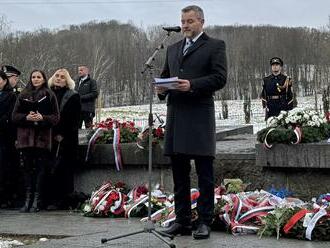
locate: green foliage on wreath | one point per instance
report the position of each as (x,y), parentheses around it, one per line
(273,223)
(126,136)
(287,135)
(279,135)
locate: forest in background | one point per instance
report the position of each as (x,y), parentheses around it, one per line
(116,54)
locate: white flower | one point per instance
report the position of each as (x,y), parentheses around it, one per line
(271,122)
(87,208)
(315,117)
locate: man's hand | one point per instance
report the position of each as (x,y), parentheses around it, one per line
(160,90)
(183,85)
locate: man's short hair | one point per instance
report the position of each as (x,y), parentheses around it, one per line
(198,10)
(83,65)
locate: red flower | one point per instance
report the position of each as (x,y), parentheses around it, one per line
(327,116)
(159,132)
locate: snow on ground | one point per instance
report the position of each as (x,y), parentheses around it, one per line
(9,243)
(139,113)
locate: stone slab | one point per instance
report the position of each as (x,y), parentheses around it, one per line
(311,155)
(224,131)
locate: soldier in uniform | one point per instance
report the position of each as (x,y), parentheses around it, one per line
(276,92)
(13,76)
(14,178)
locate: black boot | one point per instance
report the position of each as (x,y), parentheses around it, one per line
(26,207)
(36,203)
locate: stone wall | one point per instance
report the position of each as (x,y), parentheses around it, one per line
(101,167)
(303,169)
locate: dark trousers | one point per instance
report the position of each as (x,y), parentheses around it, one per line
(3,169)
(10,176)
(35,164)
(181,176)
(87,118)
(60,181)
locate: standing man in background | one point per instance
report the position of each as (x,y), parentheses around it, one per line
(199,62)
(87,89)
(276,92)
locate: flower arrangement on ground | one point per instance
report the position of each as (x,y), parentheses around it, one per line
(255,212)
(295,126)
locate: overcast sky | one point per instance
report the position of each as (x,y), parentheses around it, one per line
(29,15)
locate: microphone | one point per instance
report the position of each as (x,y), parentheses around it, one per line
(172,29)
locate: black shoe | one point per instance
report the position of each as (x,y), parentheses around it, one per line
(178,229)
(202,232)
(36,203)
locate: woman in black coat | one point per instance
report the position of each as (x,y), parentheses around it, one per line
(7,102)
(65,138)
(35,113)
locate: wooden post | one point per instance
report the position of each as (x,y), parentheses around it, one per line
(99,106)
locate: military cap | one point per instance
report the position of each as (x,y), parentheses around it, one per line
(276,60)
(10,70)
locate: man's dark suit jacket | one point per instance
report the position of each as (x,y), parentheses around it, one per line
(190,125)
(88,94)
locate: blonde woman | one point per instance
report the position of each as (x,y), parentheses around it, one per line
(65,141)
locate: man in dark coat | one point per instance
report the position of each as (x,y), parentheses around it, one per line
(87,89)
(14,177)
(190,127)
(276,92)
(7,102)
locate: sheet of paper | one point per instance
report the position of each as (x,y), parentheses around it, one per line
(169,83)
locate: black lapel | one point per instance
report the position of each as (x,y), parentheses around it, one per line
(180,50)
(200,41)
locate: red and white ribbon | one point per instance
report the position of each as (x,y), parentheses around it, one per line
(298,134)
(322,212)
(117,148)
(93,139)
(268,146)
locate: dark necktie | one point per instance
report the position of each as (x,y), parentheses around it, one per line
(188,44)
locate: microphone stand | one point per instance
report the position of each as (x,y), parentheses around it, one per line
(149,226)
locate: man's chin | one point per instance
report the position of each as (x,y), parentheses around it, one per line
(187,34)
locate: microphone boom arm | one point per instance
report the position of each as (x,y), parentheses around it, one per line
(148,64)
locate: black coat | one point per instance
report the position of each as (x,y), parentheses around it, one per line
(7,103)
(69,106)
(88,94)
(30,134)
(190,124)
